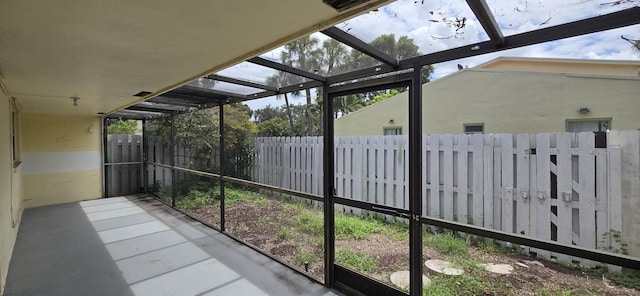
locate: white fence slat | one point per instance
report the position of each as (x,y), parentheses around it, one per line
(478,179)
(425,172)
(615,195)
(543,196)
(586,199)
(463,162)
(379,146)
(506,143)
(601,198)
(522,195)
(488,185)
(433,203)
(405,178)
(388,171)
(358,171)
(497,189)
(447,174)
(564,193)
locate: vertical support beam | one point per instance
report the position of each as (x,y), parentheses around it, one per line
(222,163)
(105,180)
(145,174)
(328,165)
(173,160)
(415,184)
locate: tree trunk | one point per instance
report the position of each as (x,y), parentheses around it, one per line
(286,102)
(306,113)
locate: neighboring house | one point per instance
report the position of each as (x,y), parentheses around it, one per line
(514,95)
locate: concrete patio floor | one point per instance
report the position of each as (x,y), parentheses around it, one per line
(138,246)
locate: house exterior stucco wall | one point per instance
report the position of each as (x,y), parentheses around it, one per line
(506,102)
(10,190)
(62,159)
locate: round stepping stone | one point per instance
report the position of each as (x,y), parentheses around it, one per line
(498,268)
(401,279)
(444,267)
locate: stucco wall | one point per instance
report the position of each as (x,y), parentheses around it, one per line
(10,191)
(62,159)
(506,102)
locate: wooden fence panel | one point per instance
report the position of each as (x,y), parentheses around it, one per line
(124,179)
(548,186)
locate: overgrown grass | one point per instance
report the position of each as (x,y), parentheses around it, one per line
(200,196)
(346,226)
(351,259)
(447,243)
(444,285)
(285,233)
(196,198)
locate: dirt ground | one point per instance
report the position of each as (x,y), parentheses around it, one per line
(260,225)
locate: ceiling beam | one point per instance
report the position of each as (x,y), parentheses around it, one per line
(286,68)
(488,22)
(623,18)
(360,45)
(203,92)
(173,101)
(241,82)
(152,109)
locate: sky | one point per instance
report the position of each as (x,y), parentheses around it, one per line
(436,25)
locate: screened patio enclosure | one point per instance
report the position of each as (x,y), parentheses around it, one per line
(181,159)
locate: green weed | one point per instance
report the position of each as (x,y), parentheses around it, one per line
(195,199)
(311,222)
(347,226)
(448,243)
(284,233)
(458,285)
(351,259)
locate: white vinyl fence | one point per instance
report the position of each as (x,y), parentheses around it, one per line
(551,186)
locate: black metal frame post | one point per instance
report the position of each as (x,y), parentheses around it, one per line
(105,179)
(173,160)
(145,168)
(327,160)
(222,218)
(415,183)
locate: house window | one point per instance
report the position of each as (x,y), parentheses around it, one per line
(15,134)
(474,128)
(392,131)
(597,125)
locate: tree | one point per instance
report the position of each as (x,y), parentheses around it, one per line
(123,127)
(274,127)
(400,49)
(284,79)
(198,138)
(334,56)
(303,54)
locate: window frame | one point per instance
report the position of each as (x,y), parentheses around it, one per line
(476,124)
(392,128)
(608,120)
